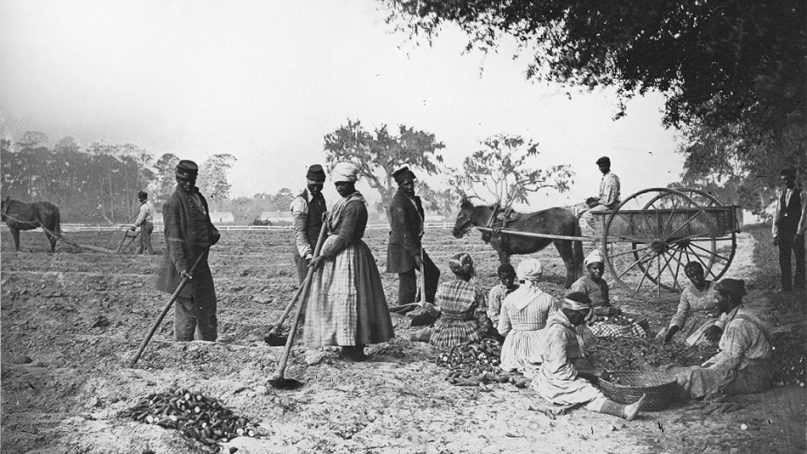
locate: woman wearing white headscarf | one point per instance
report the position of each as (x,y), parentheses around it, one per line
(346,305)
(609,320)
(523,317)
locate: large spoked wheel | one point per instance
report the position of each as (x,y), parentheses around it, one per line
(649,238)
(726,245)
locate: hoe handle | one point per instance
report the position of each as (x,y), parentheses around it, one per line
(308,277)
(162,315)
(281,367)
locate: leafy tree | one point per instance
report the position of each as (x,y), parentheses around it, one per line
(502,170)
(30,139)
(443,202)
(165,181)
(66,144)
(212,179)
(380,154)
(281,200)
(720,63)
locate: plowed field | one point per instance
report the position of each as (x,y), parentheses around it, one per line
(71,321)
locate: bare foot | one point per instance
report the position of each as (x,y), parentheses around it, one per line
(632,410)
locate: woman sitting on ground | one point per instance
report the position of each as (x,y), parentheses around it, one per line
(463,309)
(609,320)
(743,365)
(523,317)
(564,375)
(697,311)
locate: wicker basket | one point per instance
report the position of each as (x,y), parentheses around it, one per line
(626,387)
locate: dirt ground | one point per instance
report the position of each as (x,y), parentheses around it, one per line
(71,321)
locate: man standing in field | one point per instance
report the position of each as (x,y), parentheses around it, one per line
(188,237)
(405,250)
(307,209)
(145,220)
(789,224)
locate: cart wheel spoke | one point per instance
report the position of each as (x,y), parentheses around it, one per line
(713,254)
(637,262)
(631,251)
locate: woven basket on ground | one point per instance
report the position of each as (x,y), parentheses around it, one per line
(626,387)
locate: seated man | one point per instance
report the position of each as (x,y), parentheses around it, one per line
(608,320)
(564,375)
(607,199)
(743,364)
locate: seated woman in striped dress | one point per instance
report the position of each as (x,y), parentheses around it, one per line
(523,317)
(697,312)
(463,308)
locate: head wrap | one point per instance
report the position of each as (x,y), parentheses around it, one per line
(315,174)
(186,169)
(594,257)
(344,171)
(529,270)
(604,161)
(734,287)
(401,174)
(461,264)
(576,301)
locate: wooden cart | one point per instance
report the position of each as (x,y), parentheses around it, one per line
(649,238)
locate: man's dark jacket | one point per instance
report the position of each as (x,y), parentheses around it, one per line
(406,226)
(188,233)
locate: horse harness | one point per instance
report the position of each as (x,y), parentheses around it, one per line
(499,220)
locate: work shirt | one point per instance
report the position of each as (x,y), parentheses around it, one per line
(596,291)
(609,190)
(743,342)
(495,299)
(307,217)
(146,214)
(790,211)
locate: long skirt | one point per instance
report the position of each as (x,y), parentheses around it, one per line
(564,391)
(346,304)
(449,332)
(701,381)
(521,351)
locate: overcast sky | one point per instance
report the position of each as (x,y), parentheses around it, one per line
(265,81)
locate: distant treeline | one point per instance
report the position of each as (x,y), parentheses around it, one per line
(99,183)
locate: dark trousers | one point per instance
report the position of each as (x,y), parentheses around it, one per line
(144,244)
(407,282)
(790,243)
(191,318)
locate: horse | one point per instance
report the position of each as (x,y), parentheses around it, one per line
(553,221)
(28,216)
